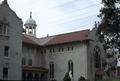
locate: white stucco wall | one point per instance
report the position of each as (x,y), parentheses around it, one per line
(34,53)
(14,42)
(78,55)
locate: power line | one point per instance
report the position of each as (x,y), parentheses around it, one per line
(62,16)
(87,7)
(73,16)
(64,4)
(78,10)
(79,18)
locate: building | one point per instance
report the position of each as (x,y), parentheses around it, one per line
(10,43)
(49,58)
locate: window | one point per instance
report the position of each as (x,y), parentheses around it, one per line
(30,62)
(5,73)
(97,57)
(72,48)
(23,61)
(24,76)
(59,49)
(62,49)
(41,51)
(70,66)
(6,51)
(50,50)
(3,29)
(53,50)
(44,51)
(51,70)
(68,48)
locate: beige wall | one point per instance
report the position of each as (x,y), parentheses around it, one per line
(34,53)
(78,55)
(14,42)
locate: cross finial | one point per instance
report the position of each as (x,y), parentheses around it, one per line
(30,14)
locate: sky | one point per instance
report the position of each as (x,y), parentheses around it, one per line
(58,16)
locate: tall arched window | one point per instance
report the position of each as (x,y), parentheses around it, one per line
(97,57)
(70,66)
(30,62)
(51,70)
(23,61)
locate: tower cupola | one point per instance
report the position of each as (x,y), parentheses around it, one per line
(30,26)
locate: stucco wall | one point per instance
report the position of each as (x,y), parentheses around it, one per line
(14,42)
(78,55)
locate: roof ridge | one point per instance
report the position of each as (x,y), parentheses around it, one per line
(27,36)
(61,38)
(65,33)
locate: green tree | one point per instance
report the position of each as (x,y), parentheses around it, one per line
(66,77)
(109,33)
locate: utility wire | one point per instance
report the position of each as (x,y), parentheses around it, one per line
(64,4)
(77,10)
(84,8)
(73,16)
(73,20)
(78,18)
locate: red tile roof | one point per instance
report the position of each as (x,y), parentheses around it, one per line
(27,40)
(58,39)
(69,37)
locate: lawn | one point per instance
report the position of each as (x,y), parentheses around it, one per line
(110,80)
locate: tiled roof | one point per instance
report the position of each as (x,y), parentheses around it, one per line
(69,37)
(58,39)
(27,40)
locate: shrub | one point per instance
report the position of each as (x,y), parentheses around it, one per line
(81,78)
(66,77)
(53,80)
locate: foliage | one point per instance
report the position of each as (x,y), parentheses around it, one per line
(110,80)
(110,17)
(66,77)
(81,78)
(53,80)
(109,33)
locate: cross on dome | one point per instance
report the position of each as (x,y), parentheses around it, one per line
(30,14)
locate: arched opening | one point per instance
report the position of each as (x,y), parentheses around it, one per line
(23,61)
(70,66)
(30,62)
(24,76)
(97,57)
(51,70)
(97,63)
(29,77)
(36,77)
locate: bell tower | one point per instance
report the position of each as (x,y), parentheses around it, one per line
(30,26)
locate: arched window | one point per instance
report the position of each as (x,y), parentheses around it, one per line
(23,61)
(70,66)
(97,57)
(51,70)
(30,62)
(29,77)
(36,77)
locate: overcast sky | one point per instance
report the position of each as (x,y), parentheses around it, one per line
(58,16)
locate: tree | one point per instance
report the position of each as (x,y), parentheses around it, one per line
(81,78)
(66,77)
(109,33)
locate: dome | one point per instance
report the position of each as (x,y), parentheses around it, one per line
(30,21)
